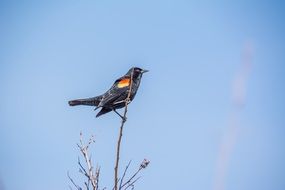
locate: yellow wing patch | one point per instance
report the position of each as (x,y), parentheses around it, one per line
(123,83)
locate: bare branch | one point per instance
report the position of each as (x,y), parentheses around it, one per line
(88,171)
(127,100)
(82,169)
(130,182)
(75,185)
(131,178)
(125,171)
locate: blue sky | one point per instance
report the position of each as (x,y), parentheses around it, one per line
(183,114)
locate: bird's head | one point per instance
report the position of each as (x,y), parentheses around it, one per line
(136,71)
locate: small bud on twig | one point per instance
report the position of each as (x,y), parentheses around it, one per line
(145,163)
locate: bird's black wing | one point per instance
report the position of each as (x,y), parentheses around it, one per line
(103,111)
(118,92)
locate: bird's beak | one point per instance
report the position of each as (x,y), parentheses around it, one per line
(144,71)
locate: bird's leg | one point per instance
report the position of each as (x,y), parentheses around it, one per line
(123,118)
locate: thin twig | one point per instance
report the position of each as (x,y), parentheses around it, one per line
(131,178)
(77,187)
(87,184)
(121,134)
(132,184)
(97,177)
(88,172)
(82,169)
(121,181)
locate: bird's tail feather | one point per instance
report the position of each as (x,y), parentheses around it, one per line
(88,101)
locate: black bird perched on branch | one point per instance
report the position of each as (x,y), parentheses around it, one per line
(117,95)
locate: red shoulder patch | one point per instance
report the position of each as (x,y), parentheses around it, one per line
(123,83)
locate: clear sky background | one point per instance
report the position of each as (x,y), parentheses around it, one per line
(183,118)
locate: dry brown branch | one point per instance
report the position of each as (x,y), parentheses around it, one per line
(75,185)
(130,182)
(88,171)
(121,134)
(92,176)
(124,174)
